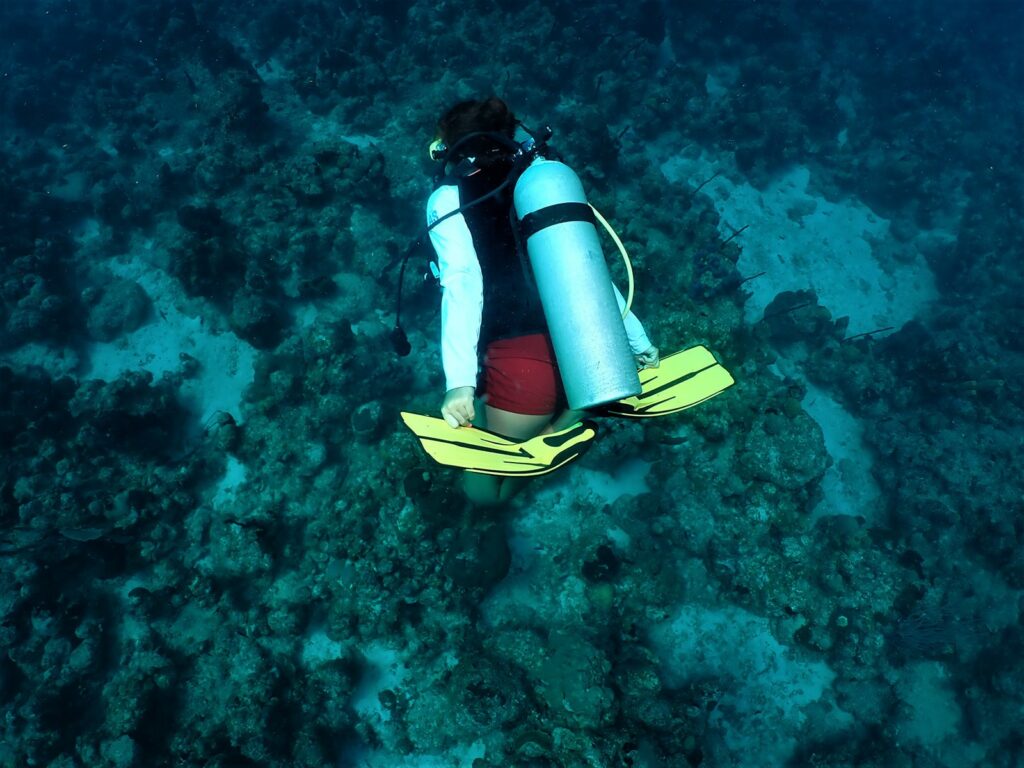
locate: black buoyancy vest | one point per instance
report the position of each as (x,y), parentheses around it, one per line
(511,304)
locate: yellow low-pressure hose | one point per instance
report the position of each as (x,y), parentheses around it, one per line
(625,258)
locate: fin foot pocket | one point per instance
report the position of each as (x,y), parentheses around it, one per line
(683,380)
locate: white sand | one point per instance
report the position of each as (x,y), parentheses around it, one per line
(178,326)
(763,686)
(848,485)
(843,251)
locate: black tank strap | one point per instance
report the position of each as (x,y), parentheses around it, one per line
(559,213)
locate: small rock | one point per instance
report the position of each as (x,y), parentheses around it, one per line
(367,420)
(117,308)
(256,319)
(120,753)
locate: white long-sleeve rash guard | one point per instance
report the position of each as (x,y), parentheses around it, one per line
(462,284)
(462,298)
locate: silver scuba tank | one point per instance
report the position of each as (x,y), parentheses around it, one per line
(558,226)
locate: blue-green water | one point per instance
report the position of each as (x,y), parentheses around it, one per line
(219,547)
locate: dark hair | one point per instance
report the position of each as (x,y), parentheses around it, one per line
(472,116)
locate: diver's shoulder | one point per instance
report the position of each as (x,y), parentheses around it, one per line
(443,200)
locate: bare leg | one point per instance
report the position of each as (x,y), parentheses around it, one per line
(517,426)
(491,490)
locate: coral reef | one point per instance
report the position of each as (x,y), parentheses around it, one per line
(217,546)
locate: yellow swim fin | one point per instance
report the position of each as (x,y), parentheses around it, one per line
(478,450)
(683,380)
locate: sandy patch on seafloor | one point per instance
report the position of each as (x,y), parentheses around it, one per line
(177,325)
(225,361)
(841,250)
(846,254)
(765,689)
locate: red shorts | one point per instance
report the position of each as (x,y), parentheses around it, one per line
(521,376)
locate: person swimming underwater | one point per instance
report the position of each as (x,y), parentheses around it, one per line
(496,348)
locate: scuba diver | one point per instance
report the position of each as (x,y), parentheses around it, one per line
(489,304)
(534,335)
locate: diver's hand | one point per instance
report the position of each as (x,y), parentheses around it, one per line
(458,409)
(649,358)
